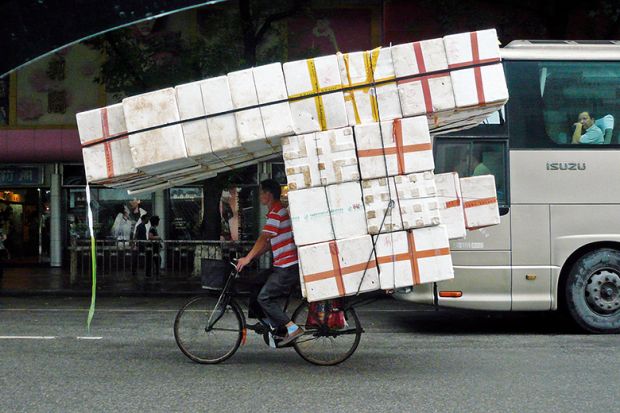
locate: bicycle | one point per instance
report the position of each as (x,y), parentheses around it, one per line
(210,328)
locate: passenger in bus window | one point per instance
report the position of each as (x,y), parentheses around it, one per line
(479,167)
(586,131)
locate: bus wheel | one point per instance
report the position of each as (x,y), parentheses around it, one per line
(593,291)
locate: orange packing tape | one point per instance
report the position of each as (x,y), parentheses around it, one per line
(453,203)
(475,53)
(337,271)
(424,80)
(412,255)
(480,202)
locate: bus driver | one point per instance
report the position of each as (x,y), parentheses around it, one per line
(586,131)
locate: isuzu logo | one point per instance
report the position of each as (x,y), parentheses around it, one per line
(566,166)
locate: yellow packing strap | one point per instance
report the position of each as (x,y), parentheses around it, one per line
(316,90)
(370,63)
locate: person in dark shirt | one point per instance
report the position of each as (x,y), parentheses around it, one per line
(139,235)
(152,254)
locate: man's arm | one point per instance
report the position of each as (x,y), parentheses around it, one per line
(577,133)
(260,247)
(593,136)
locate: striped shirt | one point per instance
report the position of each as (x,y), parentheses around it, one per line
(278,226)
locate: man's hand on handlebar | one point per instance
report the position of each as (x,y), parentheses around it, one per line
(242,262)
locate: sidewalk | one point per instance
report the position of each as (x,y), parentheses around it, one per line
(33,281)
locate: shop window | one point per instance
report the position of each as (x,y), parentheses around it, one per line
(546,99)
(106,204)
(186,210)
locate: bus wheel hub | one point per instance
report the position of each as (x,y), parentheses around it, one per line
(603,291)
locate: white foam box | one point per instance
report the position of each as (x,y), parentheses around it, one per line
(111,161)
(480,201)
(462,118)
(366,103)
(336,156)
(315,76)
(420,93)
(301,162)
(249,122)
(161,149)
(346,209)
(477,85)
(377,195)
(408,258)
(451,204)
(338,268)
(327,213)
(196,133)
(417,200)
(225,142)
(404,143)
(270,87)
(470,48)
(310,216)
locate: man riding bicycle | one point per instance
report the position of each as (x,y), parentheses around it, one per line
(277,234)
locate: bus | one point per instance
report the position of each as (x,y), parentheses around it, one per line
(558,244)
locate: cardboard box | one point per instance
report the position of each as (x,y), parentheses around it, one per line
(301,162)
(367,103)
(336,156)
(422,93)
(161,149)
(377,196)
(270,87)
(480,201)
(414,257)
(338,268)
(403,145)
(315,78)
(451,204)
(110,161)
(417,200)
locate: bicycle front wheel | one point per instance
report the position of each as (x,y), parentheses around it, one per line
(326,346)
(208,331)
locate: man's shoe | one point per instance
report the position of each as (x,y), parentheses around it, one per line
(289,338)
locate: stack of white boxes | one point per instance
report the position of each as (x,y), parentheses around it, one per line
(354,130)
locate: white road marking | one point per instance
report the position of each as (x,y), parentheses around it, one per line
(89,338)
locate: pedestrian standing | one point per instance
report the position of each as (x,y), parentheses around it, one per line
(141,237)
(152,255)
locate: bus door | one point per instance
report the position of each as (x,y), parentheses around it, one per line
(482,261)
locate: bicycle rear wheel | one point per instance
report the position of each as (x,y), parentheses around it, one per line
(206,332)
(324,346)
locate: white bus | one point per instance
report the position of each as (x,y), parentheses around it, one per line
(558,244)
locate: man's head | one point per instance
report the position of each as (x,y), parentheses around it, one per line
(145,218)
(269,191)
(586,119)
(154,221)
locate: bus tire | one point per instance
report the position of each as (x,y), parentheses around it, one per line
(593,291)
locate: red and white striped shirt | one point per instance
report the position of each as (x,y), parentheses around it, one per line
(283,246)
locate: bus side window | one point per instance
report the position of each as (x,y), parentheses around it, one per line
(471,157)
(547,98)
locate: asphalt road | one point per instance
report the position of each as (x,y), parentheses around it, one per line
(412,359)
